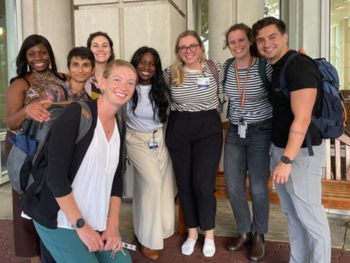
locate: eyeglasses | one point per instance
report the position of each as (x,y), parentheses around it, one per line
(193,47)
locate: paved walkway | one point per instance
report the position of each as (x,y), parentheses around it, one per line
(277,252)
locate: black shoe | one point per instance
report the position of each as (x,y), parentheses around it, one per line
(237,243)
(257,253)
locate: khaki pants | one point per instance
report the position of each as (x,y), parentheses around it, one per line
(153,198)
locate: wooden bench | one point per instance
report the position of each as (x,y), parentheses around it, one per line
(335,189)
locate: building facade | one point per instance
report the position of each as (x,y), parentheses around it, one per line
(320,27)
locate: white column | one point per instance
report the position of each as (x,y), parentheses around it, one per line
(51,19)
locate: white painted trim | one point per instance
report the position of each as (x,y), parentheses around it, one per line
(190,14)
(19,26)
(325,29)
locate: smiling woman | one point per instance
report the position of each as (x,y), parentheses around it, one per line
(248,139)
(22,101)
(194,136)
(102,47)
(153,197)
(77,212)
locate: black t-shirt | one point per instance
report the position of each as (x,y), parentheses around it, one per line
(301,73)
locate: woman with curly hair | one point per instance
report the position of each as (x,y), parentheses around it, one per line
(153,198)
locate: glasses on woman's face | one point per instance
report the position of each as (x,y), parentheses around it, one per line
(193,48)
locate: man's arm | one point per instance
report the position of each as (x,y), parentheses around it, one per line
(302,103)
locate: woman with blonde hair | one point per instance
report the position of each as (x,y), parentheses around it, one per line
(194,136)
(76,213)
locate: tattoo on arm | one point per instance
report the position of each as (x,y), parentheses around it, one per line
(297,132)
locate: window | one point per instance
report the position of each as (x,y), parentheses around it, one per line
(201,22)
(3,66)
(339,40)
(272,8)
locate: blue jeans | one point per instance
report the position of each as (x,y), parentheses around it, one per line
(243,155)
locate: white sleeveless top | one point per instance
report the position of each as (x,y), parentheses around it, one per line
(92,185)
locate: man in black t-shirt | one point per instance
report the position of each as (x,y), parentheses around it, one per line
(296,174)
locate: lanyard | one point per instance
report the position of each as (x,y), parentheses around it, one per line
(245,82)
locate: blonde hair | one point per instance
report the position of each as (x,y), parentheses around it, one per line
(118,63)
(177,73)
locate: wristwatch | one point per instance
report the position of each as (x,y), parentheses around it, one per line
(286,160)
(79,223)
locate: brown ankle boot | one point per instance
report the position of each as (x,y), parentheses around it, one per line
(257,253)
(237,243)
(150,253)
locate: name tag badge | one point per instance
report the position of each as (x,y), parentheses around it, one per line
(153,143)
(203,83)
(242,128)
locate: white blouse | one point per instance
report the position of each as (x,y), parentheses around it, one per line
(92,185)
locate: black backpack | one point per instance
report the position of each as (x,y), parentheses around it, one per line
(31,139)
(332,119)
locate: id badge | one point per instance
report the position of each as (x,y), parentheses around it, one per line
(242,128)
(153,143)
(203,83)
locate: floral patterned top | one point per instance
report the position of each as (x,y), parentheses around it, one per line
(65,92)
(42,81)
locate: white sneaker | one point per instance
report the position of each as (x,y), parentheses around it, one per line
(188,247)
(209,248)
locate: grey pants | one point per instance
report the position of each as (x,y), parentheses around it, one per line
(300,199)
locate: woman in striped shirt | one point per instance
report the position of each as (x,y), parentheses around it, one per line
(194,137)
(248,139)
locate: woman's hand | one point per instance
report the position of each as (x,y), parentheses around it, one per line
(90,238)
(112,239)
(37,111)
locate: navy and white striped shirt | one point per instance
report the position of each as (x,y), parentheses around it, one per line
(257,106)
(189,97)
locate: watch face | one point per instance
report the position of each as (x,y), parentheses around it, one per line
(285,159)
(80,223)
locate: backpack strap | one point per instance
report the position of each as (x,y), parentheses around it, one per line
(85,120)
(227,66)
(284,88)
(282,80)
(214,70)
(262,72)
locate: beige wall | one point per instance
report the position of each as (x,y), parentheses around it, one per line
(52,19)
(131,24)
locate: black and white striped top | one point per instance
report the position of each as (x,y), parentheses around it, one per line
(189,97)
(257,106)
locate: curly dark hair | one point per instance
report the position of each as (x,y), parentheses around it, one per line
(21,61)
(159,94)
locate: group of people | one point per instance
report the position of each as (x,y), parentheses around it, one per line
(168,125)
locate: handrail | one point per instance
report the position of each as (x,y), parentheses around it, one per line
(344,138)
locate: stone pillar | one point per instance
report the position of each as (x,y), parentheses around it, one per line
(53,20)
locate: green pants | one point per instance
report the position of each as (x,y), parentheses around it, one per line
(65,246)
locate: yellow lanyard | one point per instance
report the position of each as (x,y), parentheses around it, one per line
(245,82)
